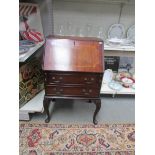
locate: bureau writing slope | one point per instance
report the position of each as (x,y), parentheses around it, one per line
(73,69)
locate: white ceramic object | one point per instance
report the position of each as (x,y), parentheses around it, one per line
(119,42)
(23,50)
(116,31)
(108,76)
(26,43)
(127,82)
(131,33)
(115,40)
(133,86)
(126,42)
(122,74)
(115,85)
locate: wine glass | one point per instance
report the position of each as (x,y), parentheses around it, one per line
(61,30)
(88,30)
(100,33)
(69,29)
(79,32)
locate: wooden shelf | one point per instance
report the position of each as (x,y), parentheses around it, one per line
(25,56)
(119,48)
(106,90)
(121,51)
(34,105)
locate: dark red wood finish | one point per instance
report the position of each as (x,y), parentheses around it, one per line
(73,54)
(73,68)
(72,78)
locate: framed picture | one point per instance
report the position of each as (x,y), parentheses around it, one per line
(112,62)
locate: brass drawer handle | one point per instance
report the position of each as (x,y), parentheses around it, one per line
(61,90)
(85,79)
(56,81)
(86,93)
(83,90)
(92,79)
(90,90)
(54,89)
(58,93)
(88,82)
(53,78)
(60,78)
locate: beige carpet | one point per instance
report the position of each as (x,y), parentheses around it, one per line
(75,139)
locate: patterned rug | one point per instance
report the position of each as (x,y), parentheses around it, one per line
(86,139)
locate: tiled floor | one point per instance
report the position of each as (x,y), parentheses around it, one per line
(113,110)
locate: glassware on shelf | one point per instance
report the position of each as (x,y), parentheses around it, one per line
(79,32)
(61,30)
(88,30)
(114,85)
(108,76)
(69,29)
(100,33)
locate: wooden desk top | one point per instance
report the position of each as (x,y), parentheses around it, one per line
(79,54)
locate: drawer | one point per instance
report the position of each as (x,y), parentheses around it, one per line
(53,78)
(75,91)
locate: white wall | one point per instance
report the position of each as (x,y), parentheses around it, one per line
(46,15)
(96,14)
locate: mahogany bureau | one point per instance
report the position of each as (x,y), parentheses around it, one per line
(73,69)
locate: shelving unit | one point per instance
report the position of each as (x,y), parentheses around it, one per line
(34,105)
(125,91)
(32,50)
(119,48)
(125,51)
(97,13)
(80,12)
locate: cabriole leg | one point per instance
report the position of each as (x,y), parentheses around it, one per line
(46,103)
(98,106)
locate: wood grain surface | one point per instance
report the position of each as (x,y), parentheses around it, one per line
(80,54)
